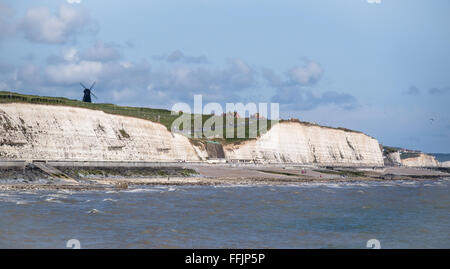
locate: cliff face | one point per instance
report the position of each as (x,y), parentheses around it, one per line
(292,142)
(423,160)
(45,132)
(393,159)
(29,131)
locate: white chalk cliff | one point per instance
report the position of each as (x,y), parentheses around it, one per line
(422,160)
(47,132)
(294,142)
(44,132)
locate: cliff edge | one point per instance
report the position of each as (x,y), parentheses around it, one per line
(47,132)
(55,132)
(295,142)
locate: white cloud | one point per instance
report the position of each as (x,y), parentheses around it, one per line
(306,75)
(6,27)
(374,1)
(74,72)
(179,57)
(74,1)
(70,54)
(101,52)
(40,25)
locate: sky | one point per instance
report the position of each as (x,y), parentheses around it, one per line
(377,66)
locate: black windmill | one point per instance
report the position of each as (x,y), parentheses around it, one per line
(87,93)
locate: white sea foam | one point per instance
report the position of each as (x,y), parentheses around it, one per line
(141,190)
(94,211)
(53,200)
(15,200)
(55,195)
(111,192)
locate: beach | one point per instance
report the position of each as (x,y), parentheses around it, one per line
(107,178)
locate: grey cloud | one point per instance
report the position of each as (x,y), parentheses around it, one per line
(179,57)
(293,91)
(101,52)
(40,25)
(6,27)
(136,83)
(272,79)
(306,75)
(296,98)
(129,44)
(437,91)
(29,73)
(6,68)
(413,90)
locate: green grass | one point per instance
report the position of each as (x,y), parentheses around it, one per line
(306,123)
(388,150)
(156,115)
(407,155)
(162,116)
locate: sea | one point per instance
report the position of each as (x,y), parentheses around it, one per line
(396,214)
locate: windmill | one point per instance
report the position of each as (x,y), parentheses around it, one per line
(87,93)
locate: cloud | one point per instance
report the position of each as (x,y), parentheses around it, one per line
(308,74)
(136,83)
(179,57)
(218,85)
(74,72)
(6,27)
(6,68)
(40,25)
(413,90)
(74,1)
(29,74)
(438,91)
(70,54)
(374,1)
(293,91)
(272,79)
(101,52)
(295,98)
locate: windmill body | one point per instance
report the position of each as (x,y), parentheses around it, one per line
(87,93)
(87,96)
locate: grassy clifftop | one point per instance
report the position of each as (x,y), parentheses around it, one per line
(157,115)
(162,116)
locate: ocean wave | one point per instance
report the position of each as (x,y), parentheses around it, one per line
(15,200)
(142,190)
(53,200)
(94,211)
(55,195)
